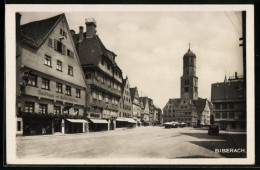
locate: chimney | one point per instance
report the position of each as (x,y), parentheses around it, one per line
(90,27)
(72,32)
(81,33)
(236,75)
(18,21)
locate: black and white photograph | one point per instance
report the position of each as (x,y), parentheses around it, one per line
(130,84)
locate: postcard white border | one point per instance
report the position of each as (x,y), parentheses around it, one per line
(10,66)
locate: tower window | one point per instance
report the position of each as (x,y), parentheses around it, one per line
(186,89)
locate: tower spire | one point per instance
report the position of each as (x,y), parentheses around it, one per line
(189,46)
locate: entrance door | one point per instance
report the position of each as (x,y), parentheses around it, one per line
(57,125)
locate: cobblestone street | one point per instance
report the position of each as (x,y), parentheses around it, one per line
(141,142)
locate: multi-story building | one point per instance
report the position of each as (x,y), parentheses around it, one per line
(151,111)
(189,109)
(50,84)
(229,100)
(126,107)
(145,117)
(136,104)
(103,75)
(158,116)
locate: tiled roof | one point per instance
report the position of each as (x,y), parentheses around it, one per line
(228,90)
(34,33)
(176,102)
(94,49)
(143,99)
(200,104)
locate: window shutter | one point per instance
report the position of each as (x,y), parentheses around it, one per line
(63,49)
(71,54)
(55,44)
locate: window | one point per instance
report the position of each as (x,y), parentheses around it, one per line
(186,89)
(32,80)
(224,115)
(108,66)
(19,128)
(224,106)
(231,115)
(217,115)
(76,111)
(94,95)
(231,105)
(43,108)
(58,46)
(58,87)
(63,33)
(29,107)
(59,65)
(102,62)
(47,60)
(45,84)
(50,42)
(68,90)
(70,71)
(70,53)
(56,110)
(66,111)
(78,93)
(106,98)
(217,106)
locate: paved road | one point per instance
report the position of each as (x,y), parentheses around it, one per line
(140,142)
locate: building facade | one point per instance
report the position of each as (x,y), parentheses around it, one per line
(50,84)
(151,111)
(146,113)
(136,104)
(103,76)
(126,107)
(229,101)
(188,109)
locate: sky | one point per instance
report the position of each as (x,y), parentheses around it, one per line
(150,46)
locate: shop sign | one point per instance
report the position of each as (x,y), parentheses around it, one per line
(57,97)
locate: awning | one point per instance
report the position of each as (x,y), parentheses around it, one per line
(130,120)
(120,119)
(98,121)
(77,120)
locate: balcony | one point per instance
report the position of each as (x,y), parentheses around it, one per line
(104,86)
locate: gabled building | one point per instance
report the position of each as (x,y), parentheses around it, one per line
(151,111)
(136,104)
(189,109)
(126,107)
(229,100)
(103,76)
(50,83)
(145,117)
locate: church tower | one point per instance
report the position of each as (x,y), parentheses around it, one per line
(189,81)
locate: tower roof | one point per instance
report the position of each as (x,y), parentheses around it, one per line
(189,53)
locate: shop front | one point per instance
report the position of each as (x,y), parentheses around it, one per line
(75,125)
(131,122)
(98,125)
(121,122)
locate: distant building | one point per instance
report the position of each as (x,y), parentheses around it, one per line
(189,109)
(157,116)
(126,107)
(151,111)
(229,100)
(103,75)
(145,117)
(50,83)
(136,104)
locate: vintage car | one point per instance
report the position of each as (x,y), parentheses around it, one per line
(213,129)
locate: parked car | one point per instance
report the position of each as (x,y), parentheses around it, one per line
(213,129)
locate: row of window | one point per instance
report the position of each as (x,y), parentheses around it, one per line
(46,85)
(102,96)
(117,73)
(224,105)
(105,80)
(224,115)
(43,108)
(48,62)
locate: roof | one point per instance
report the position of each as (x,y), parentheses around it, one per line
(150,101)
(175,102)
(200,104)
(92,50)
(132,92)
(37,31)
(228,90)
(143,99)
(189,53)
